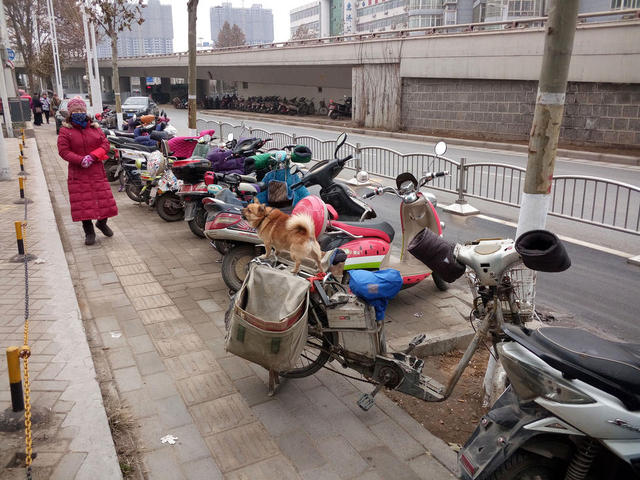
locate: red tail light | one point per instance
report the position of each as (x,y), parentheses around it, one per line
(223,220)
(467,464)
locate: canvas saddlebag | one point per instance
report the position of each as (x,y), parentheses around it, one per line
(268,318)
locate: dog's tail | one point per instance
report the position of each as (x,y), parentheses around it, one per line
(301,224)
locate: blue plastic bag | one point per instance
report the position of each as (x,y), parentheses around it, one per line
(376,288)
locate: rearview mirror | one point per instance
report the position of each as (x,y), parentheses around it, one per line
(342,138)
(293,170)
(230,137)
(440,148)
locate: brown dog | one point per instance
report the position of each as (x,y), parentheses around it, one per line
(294,233)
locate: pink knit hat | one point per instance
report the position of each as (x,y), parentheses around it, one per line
(75,105)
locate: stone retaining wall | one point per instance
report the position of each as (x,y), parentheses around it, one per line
(602,114)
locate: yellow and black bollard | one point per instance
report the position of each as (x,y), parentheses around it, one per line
(23,172)
(23,144)
(20,241)
(15,379)
(21,183)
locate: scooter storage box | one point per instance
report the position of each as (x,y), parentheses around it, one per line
(191,170)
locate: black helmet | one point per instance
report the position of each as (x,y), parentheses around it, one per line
(542,251)
(301,154)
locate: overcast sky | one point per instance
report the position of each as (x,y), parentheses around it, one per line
(280,10)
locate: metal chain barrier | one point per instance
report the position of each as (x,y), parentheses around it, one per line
(25,352)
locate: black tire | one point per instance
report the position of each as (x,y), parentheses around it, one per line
(313,357)
(333,115)
(235,264)
(134,192)
(322,111)
(110,168)
(528,466)
(170,207)
(440,283)
(198,222)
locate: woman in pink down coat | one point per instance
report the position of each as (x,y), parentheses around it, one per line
(84,146)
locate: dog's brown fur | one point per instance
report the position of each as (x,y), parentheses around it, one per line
(294,233)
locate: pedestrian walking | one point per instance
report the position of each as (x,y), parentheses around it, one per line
(55,104)
(82,144)
(36,105)
(46,105)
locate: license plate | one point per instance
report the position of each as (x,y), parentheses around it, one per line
(189,211)
(154,192)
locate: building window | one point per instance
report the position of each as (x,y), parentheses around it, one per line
(522,8)
(425,4)
(419,21)
(245,85)
(622,4)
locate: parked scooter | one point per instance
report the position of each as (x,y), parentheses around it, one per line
(337,110)
(572,410)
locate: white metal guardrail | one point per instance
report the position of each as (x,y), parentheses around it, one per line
(592,200)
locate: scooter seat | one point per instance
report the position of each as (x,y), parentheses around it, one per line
(611,366)
(381,230)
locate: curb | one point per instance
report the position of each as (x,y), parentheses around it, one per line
(562,152)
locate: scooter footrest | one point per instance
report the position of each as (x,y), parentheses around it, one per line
(366,401)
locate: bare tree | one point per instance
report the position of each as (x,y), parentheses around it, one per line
(230,37)
(114,16)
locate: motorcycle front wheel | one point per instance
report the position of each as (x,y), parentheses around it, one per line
(170,207)
(235,265)
(197,223)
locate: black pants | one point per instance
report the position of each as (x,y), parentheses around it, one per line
(46,114)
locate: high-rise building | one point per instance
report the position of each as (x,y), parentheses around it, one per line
(255,22)
(153,36)
(305,20)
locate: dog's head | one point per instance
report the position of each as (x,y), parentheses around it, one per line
(254,212)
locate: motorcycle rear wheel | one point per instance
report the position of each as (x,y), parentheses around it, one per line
(170,207)
(314,355)
(528,466)
(111,169)
(197,223)
(235,264)
(134,192)
(333,115)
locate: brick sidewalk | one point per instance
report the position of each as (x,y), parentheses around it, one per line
(153,303)
(73,440)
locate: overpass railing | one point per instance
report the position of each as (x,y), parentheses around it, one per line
(592,200)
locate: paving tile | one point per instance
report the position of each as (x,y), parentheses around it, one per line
(120,358)
(131,269)
(354,431)
(172,347)
(192,363)
(275,417)
(172,412)
(236,367)
(222,414)
(159,385)
(106,324)
(322,473)
(154,301)
(427,467)
(162,314)
(168,330)
(274,468)
(190,445)
(253,390)
(342,457)
(203,469)
(209,386)
(144,289)
(163,465)
(209,306)
(107,278)
(149,363)
(241,446)
(141,344)
(128,379)
(137,279)
(397,439)
(69,465)
(300,450)
(388,465)
(139,403)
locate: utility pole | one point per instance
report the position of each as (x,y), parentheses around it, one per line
(4,91)
(54,49)
(97,84)
(87,48)
(543,141)
(192,7)
(547,118)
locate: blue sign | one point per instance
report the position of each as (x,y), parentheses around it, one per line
(11,54)
(149,80)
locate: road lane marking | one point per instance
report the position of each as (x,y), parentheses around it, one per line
(575,241)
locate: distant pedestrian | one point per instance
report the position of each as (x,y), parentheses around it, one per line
(37,109)
(55,104)
(82,144)
(46,105)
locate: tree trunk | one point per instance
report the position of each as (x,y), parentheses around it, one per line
(192,7)
(115,78)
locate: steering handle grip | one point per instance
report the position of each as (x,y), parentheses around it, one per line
(296,185)
(370,194)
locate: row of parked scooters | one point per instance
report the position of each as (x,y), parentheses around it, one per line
(571,410)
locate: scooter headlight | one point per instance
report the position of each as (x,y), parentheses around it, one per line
(531,381)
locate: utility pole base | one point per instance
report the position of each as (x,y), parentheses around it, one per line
(20,258)
(22,201)
(463,209)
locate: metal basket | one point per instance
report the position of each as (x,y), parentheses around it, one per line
(521,300)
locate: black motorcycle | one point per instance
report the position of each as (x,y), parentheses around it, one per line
(337,110)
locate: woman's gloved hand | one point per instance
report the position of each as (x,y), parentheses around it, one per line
(87,161)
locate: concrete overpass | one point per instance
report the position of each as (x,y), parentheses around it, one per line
(445,79)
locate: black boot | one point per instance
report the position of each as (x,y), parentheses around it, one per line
(104,228)
(89,232)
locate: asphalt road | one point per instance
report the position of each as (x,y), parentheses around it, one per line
(600,290)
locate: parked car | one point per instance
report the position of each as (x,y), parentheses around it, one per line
(138,106)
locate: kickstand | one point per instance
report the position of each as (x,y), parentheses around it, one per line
(274,381)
